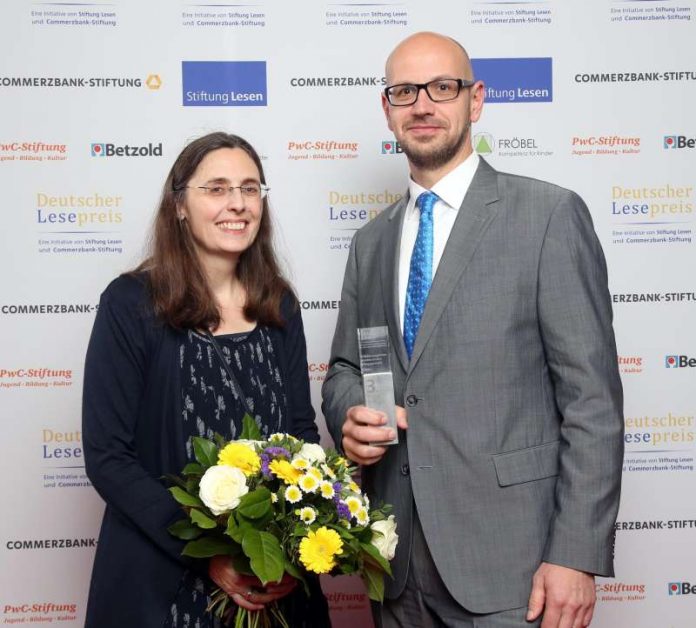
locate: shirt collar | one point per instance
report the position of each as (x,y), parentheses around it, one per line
(452,188)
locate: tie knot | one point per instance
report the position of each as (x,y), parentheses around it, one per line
(426,201)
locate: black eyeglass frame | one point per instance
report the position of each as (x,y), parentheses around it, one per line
(461,84)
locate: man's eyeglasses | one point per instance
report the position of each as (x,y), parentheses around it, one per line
(439,90)
(248,190)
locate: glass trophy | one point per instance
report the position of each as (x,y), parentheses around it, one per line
(378,383)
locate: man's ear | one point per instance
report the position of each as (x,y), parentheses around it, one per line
(478,93)
(385,108)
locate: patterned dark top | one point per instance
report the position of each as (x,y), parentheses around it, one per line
(210,401)
(210,404)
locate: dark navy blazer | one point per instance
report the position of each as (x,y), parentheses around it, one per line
(132,432)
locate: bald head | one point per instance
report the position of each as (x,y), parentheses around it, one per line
(432,48)
(434,132)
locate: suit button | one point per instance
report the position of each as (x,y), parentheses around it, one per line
(405,469)
(411,401)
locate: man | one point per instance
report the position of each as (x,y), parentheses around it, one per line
(505,482)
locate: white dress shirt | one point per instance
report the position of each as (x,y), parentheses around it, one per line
(451,190)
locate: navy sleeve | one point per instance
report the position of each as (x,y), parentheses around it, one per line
(114,384)
(301,424)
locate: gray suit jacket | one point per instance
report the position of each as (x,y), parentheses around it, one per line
(514,449)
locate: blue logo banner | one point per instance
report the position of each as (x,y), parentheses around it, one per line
(224,83)
(516,80)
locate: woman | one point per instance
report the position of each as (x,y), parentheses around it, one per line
(154,378)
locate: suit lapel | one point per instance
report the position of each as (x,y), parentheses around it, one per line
(389,273)
(475,214)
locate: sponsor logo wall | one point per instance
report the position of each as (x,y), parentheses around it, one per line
(98,106)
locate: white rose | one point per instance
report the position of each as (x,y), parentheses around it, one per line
(312,452)
(384,537)
(221,488)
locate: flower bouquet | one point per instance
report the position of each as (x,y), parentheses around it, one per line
(280,506)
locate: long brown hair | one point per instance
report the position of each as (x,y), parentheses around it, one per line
(178,285)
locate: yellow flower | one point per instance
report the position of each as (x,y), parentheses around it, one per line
(274,498)
(362,517)
(354,487)
(241,456)
(354,504)
(293,494)
(319,549)
(285,471)
(316,473)
(300,463)
(308,483)
(307,514)
(279,436)
(327,490)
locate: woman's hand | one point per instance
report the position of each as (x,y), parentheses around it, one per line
(247,591)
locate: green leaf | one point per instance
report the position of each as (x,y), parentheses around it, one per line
(240,563)
(184,530)
(250,431)
(234,530)
(207,547)
(192,485)
(174,479)
(219,440)
(184,498)
(376,557)
(256,504)
(205,451)
(237,528)
(295,572)
(380,514)
(344,533)
(193,468)
(364,535)
(201,520)
(348,569)
(374,582)
(265,554)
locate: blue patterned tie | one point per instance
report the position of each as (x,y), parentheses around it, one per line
(420,275)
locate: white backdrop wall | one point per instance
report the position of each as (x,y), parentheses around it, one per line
(594,95)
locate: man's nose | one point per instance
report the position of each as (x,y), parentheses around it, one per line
(423,104)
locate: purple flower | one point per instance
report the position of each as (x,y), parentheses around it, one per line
(342,510)
(337,487)
(277,452)
(265,470)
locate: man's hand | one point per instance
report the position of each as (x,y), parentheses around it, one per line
(363,426)
(566,597)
